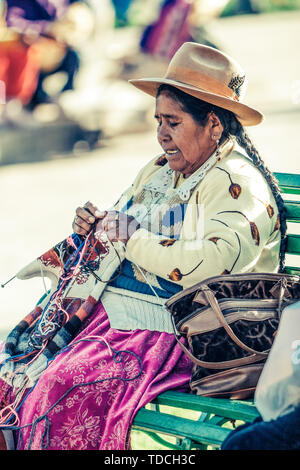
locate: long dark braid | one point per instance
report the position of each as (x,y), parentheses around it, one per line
(242,138)
(232,127)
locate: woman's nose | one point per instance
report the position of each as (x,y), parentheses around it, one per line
(162,133)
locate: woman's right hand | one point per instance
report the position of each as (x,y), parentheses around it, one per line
(85,217)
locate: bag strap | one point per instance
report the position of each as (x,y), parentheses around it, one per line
(254,357)
(221,364)
(211,298)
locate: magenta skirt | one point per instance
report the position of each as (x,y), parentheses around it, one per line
(90,393)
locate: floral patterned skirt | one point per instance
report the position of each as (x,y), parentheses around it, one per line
(88,396)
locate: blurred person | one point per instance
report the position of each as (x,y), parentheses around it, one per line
(34,17)
(178,21)
(19,65)
(54,57)
(48,27)
(171,29)
(81,386)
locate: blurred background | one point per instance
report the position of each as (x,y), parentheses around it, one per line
(73,129)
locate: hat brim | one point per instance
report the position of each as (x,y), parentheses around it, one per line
(247,115)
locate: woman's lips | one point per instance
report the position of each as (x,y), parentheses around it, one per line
(171,153)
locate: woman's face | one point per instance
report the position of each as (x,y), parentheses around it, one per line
(187,144)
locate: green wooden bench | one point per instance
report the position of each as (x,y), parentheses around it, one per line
(196,422)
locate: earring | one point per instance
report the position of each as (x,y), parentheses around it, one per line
(215,137)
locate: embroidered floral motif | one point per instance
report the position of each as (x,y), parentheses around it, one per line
(254,232)
(114,441)
(270,210)
(161,161)
(176,275)
(268,207)
(234,188)
(51,258)
(277,224)
(239,245)
(214,239)
(168,242)
(253,226)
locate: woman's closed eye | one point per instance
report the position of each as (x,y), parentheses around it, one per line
(167,121)
(171,124)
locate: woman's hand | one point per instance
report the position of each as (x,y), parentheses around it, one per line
(118,226)
(85,217)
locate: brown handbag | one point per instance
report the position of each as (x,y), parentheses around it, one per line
(230,322)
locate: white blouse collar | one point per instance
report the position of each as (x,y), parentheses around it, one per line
(164,179)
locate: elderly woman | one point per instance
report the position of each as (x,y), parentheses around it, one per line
(200,209)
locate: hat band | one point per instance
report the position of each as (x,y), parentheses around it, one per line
(198,80)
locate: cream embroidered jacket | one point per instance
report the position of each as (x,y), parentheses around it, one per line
(231,222)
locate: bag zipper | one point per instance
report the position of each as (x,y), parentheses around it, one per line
(207,307)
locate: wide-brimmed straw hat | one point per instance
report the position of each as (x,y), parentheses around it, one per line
(208,74)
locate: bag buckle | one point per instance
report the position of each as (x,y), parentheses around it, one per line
(200,297)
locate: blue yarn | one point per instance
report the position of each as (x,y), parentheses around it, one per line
(17,409)
(26,396)
(76,251)
(76,240)
(11,358)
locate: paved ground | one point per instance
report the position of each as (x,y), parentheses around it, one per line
(38,200)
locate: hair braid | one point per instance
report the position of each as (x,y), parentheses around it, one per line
(244,141)
(232,127)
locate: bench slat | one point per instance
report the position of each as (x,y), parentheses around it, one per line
(204,433)
(291,270)
(288,182)
(292,211)
(232,409)
(293,244)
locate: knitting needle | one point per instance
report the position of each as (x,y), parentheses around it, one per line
(3,285)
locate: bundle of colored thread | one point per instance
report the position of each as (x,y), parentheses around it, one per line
(83,255)
(54,314)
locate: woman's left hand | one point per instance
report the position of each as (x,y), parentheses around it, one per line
(118,226)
